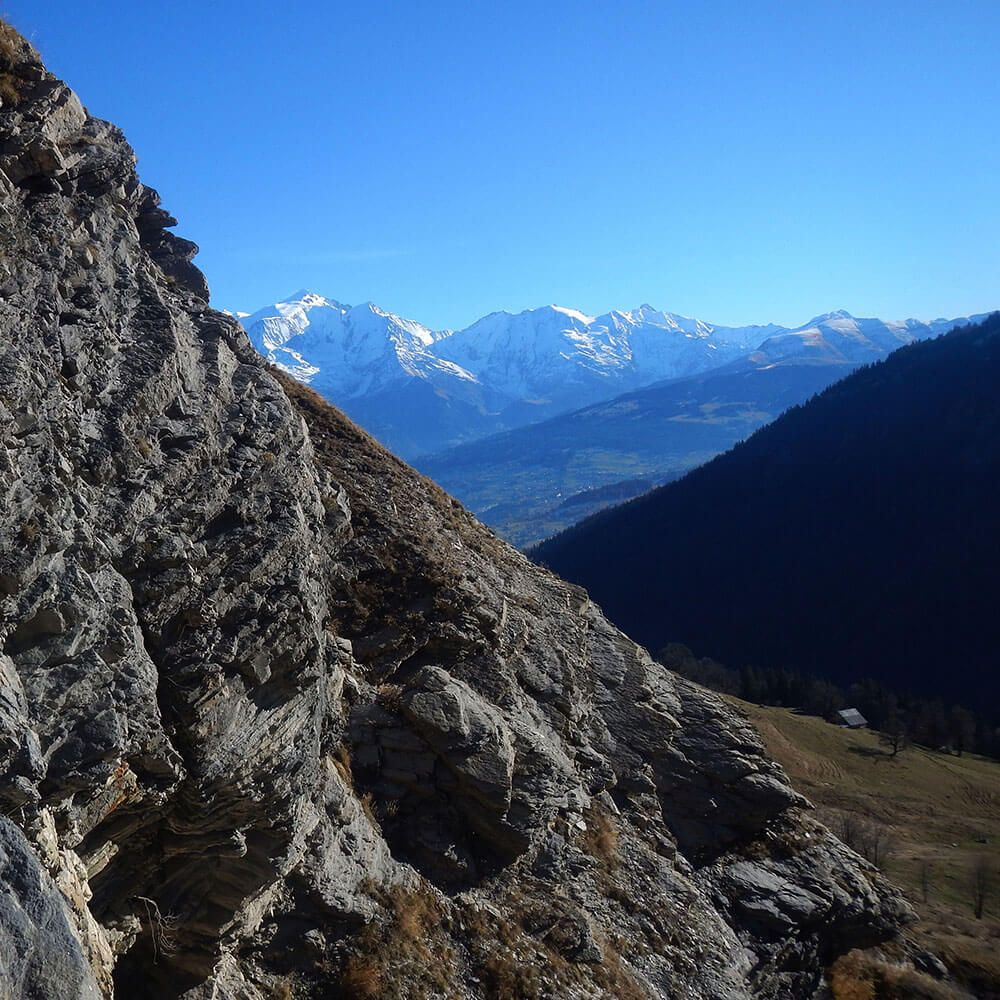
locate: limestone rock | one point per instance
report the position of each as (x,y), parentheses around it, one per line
(470,735)
(277,714)
(40,955)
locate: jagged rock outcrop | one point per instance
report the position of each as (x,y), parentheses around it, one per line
(278,718)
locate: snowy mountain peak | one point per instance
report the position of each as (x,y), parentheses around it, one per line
(573,314)
(308,300)
(827,317)
(345,351)
(507,369)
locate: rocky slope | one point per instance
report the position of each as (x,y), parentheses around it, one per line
(279,719)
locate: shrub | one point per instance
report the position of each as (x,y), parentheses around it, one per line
(390,697)
(600,839)
(871,839)
(361,978)
(342,762)
(859,975)
(402,953)
(13,50)
(9,92)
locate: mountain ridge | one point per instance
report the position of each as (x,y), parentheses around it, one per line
(440,388)
(516,480)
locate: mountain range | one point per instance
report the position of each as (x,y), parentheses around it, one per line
(420,390)
(533,482)
(855,536)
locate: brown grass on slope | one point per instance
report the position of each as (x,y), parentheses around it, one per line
(941,814)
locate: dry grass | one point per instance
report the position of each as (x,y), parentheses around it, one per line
(361,978)
(414,913)
(526,951)
(10,93)
(425,946)
(390,697)
(505,975)
(600,839)
(12,45)
(859,975)
(367,801)
(377,481)
(405,954)
(943,814)
(969,947)
(342,762)
(14,50)
(283,990)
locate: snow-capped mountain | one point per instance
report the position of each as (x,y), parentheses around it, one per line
(838,338)
(420,390)
(534,355)
(523,482)
(560,356)
(346,351)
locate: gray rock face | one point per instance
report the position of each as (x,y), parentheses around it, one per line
(39,952)
(278,718)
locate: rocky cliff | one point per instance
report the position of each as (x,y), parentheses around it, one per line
(279,719)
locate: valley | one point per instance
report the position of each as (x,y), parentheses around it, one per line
(938,815)
(534,482)
(855,536)
(519,413)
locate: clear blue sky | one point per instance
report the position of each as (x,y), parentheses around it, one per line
(741,162)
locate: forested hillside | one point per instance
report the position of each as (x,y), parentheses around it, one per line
(858,535)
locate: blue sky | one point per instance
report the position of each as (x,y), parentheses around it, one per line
(741,162)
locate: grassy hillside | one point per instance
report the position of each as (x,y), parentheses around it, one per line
(940,815)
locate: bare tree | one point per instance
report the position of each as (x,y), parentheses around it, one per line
(848,829)
(895,732)
(981,884)
(925,878)
(871,839)
(162,928)
(877,844)
(962,729)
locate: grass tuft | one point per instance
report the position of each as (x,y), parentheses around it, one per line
(14,52)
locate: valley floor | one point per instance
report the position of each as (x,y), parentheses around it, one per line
(939,817)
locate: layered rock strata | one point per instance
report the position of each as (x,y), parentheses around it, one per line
(278,718)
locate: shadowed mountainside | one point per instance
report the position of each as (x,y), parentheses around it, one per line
(856,536)
(518,482)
